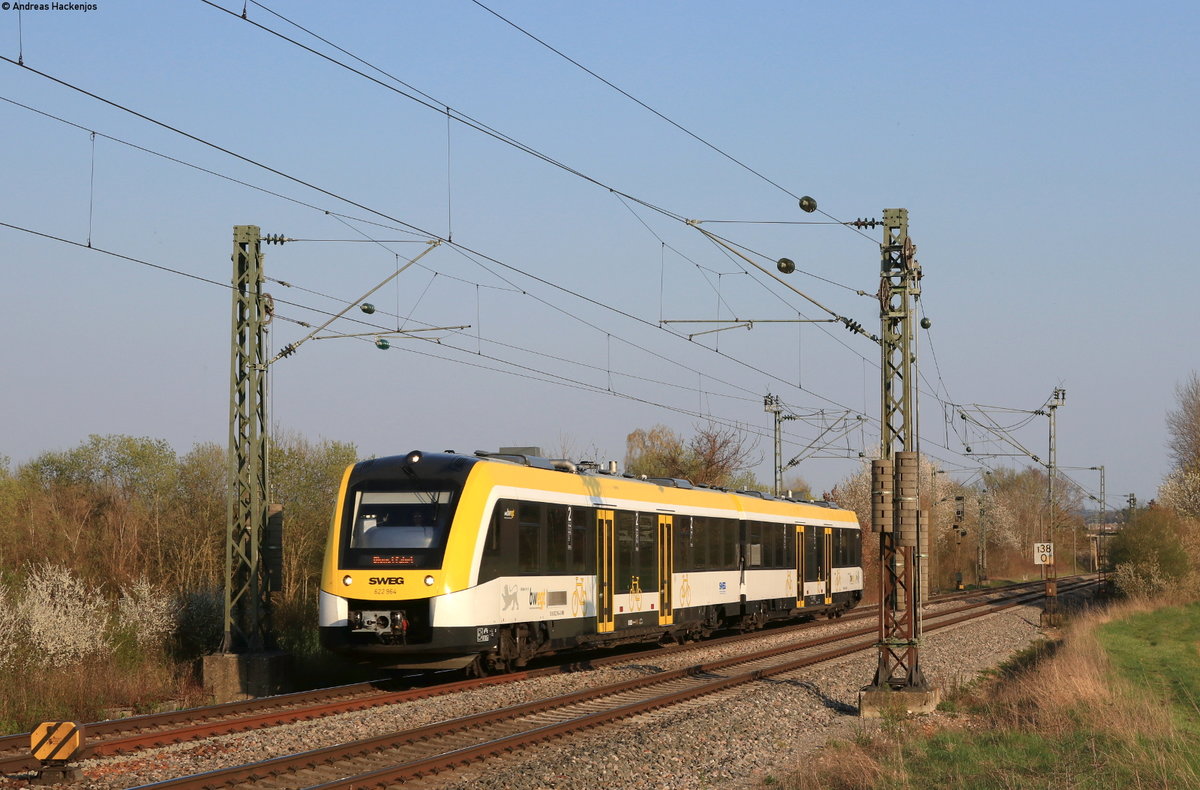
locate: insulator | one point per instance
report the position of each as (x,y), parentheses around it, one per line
(882,503)
(382,343)
(367,308)
(907,467)
(287,351)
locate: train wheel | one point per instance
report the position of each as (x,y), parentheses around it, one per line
(478,668)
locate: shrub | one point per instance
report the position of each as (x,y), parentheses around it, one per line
(10,629)
(60,618)
(1149,554)
(199,623)
(144,618)
(1142,578)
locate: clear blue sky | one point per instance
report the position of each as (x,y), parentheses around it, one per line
(1046,154)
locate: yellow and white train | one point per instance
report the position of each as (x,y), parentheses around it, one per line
(443,560)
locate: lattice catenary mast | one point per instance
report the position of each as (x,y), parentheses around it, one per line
(895,487)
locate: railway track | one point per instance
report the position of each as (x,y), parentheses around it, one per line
(141,732)
(123,736)
(411,754)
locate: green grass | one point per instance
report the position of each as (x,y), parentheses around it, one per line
(1159,652)
(1120,710)
(1010,759)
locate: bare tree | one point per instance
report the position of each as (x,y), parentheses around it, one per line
(1180,491)
(798,486)
(569,448)
(1183,425)
(716,455)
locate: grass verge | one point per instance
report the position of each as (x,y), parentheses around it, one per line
(1116,703)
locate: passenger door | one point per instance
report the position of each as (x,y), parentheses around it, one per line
(827,565)
(799,566)
(666,564)
(605,561)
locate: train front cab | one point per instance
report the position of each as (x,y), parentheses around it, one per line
(425,569)
(391,550)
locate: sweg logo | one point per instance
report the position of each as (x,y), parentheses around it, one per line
(386,580)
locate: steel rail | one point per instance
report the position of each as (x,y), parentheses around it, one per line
(121,736)
(315,760)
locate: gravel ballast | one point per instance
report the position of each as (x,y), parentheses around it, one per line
(731,740)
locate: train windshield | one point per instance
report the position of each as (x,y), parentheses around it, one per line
(397,527)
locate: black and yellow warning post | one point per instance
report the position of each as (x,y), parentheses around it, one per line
(54,744)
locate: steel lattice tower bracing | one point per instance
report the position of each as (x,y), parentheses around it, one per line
(247,597)
(899,536)
(1050,616)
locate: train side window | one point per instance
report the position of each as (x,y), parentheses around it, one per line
(646,534)
(701,527)
(850,547)
(581,523)
(557,539)
(626,568)
(789,546)
(843,545)
(714,540)
(770,535)
(730,531)
(813,547)
(754,545)
(499,555)
(530,538)
(716,544)
(683,535)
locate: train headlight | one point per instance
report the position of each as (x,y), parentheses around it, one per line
(428,581)
(347,580)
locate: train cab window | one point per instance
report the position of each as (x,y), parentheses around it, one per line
(392,524)
(400,519)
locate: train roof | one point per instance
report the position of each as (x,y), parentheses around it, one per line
(455,464)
